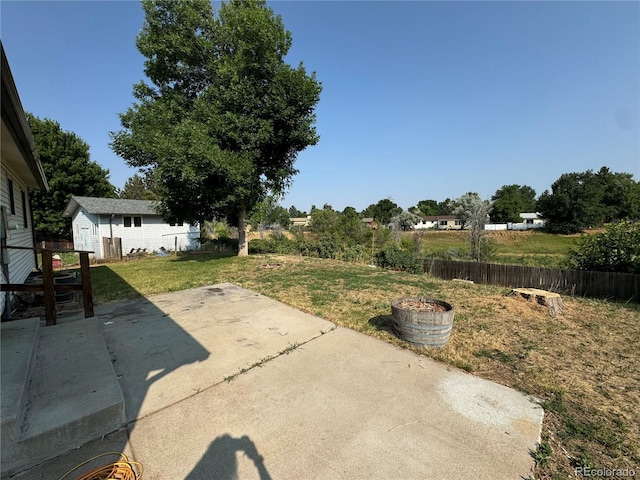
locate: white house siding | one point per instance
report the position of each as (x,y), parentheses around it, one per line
(21,262)
(424,225)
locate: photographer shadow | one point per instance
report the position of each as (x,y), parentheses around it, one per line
(220,461)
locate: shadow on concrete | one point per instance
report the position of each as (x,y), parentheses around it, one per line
(383,323)
(145,344)
(220,461)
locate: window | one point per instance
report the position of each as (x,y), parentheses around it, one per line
(173,224)
(137,221)
(12,201)
(458,222)
(94,230)
(529,221)
(443,223)
(126,221)
(24,208)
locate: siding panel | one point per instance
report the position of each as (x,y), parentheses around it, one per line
(21,262)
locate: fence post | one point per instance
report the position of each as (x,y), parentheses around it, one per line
(85,278)
(47,285)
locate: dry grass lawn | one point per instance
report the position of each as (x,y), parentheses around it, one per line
(582,364)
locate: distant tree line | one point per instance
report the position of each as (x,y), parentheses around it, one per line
(576,201)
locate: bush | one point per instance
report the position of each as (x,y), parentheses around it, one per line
(219,245)
(275,244)
(396,258)
(356,253)
(328,246)
(615,250)
(261,245)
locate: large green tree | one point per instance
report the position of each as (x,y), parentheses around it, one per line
(587,199)
(224,116)
(382,211)
(430,208)
(268,214)
(69,170)
(140,187)
(510,201)
(322,220)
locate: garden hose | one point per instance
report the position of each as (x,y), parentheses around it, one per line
(123,469)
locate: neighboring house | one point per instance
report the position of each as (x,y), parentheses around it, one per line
(371,222)
(529,221)
(533,220)
(135,222)
(300,221)
(440,222)
(20,170)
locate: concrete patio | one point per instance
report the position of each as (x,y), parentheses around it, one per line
(221,382)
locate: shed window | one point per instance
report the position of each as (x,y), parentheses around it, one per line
(12,201)
(126,221)
(24,208)
(137,221)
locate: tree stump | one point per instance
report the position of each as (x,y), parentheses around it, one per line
(549,299)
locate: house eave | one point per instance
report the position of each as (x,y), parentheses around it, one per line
(14,123)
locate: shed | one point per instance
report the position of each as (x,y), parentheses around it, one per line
(136,222)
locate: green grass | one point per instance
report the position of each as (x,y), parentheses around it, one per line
(529,248)
(582,364)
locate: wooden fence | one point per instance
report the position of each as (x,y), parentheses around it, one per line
(619,286)
(112,248)
(57,245)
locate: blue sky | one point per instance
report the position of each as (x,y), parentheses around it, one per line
(421,100)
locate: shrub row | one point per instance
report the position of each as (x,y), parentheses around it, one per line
(329,246)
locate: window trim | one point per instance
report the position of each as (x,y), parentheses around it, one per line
(12,200)
(137,221)
(125,220)
(25,218)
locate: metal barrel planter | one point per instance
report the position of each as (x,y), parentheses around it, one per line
(423,328)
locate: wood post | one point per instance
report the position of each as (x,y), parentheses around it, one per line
(47,285)
(85,279)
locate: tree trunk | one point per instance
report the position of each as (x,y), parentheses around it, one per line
(243,244)
(542,297)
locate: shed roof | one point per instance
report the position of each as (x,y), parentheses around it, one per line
(110,206)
